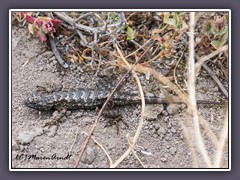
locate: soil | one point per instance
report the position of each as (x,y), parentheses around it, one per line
(161,143)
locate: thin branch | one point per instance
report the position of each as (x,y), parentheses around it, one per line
(174,71)
(75,139)
(83,16)
(222,143)
(209,56)
(56,53)
(192,92)
(101,111)
(190,145)
(109,158)
(215,78)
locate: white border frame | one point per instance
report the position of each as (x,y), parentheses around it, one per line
(114,10)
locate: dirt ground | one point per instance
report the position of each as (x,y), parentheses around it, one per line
(160,145)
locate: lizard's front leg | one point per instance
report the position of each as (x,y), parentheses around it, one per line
(56,119)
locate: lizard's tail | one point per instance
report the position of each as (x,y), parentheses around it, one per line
(161,100)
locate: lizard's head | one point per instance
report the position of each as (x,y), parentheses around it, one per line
(37,101)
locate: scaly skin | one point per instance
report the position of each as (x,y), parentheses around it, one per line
(83,99)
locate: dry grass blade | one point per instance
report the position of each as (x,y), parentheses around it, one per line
(109,158)
(192,92)
(207,57)
(140,125)
(190,145)
(165,81)
(103,107)
(215,78)
(222,143)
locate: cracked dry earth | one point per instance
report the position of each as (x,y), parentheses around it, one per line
(160,145)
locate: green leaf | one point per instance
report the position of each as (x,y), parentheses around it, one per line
(130,33)
(220,32)
(219,43)
(174,21)
(163,47)
(42,35)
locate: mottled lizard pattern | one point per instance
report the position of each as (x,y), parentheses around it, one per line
(83,99)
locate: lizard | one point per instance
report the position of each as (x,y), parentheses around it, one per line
(55,98)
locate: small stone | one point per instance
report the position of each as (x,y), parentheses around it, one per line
(173,150)
(90,166)
(51,131)
(25,137)
(183,106)
(169,125)
(68,113)
(150,126)
(55,114)
(173,130)
(38,131)
(55,62)
(168,137)
(88,156)
(79,114)
(15,145)
(173,108)
(174,123)
(157,126)
(215,89)
(164,113)
(149,94)
(163,159)
(41,69)
(152,111)
(52,58)
(80,69)
(161,130)
(47,54)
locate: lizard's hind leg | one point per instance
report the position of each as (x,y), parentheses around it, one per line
(114,117)
(50,87)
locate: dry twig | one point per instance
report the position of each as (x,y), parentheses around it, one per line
(192,92)
(101,110)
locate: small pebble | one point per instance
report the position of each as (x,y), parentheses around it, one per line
(161,130)
(173,130)
(173,150)
(15,145)
(173,108)
(88,156)
(52,58)
(25,137)
(157,126)
(68,113)
(163,159)
(164,113)
(51,131)
(55,62)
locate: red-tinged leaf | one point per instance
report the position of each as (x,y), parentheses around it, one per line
(47,26)
(42,36)
(39,22)
(55,22)
(22,13)
(30,19)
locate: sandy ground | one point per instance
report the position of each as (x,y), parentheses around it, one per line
(160,145)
